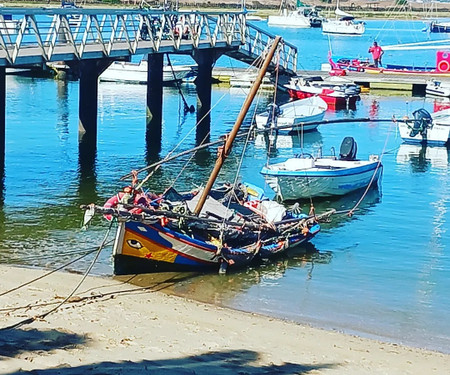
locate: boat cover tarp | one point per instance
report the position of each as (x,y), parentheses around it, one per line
(212,206)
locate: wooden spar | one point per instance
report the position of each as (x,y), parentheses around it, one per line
(260,131)
(224,152)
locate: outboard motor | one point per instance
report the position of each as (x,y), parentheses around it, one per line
(348,149)
(422,121)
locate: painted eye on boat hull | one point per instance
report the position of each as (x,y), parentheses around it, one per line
(135,244)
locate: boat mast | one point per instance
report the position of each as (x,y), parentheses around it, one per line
(225,150)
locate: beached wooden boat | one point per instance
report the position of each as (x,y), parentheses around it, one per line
(306,176)
(292,114)
(204,229)
(337,92)
(130,72)
(426,128)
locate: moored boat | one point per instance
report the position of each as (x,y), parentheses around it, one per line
(204,229)
(441,69)
(426,128)
(130,72)
(292,115)
(337,92)
(438,88)
(344,24)
(439,27)
(306,176)
(301,17)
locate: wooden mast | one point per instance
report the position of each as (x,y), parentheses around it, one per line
(225,150)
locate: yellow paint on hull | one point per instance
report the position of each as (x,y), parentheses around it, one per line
(141,247)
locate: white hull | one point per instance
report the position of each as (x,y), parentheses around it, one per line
(130,72)
(343,27)
(437,134)
(294,113)
(325,177)
(438,88)
(289,21)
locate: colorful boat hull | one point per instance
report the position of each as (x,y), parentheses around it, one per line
(333,102)
(147,248)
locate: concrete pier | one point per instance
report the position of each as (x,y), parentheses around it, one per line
(205,60)
(153,132)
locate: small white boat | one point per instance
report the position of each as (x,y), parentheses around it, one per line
(307,176)
(438,88)
(426,128)
(293,114)
(344,24)
(121,71)
(301,17)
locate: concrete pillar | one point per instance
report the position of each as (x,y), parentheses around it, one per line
(2,115)
(205,60)
(154,105)
(2,131)
(87,110)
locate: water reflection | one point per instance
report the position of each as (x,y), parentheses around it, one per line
(348,207)
(62,125)
(422,158)
(220,289)
(274,142)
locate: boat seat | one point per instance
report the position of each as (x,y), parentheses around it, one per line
(295,164)
(348,149)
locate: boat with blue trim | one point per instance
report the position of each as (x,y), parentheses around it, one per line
(306,176)
(207,228)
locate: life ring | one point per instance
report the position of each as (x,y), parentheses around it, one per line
(443,66)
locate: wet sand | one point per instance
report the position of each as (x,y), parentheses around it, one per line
(111,327)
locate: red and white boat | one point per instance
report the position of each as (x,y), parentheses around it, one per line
(337,92)
(442,68)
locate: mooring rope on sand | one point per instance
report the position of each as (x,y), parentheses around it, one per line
(89,269)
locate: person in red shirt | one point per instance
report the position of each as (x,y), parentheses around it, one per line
(376,52)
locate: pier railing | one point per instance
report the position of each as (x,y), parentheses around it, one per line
(30,36)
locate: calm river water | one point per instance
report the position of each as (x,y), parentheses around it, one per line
(383,273)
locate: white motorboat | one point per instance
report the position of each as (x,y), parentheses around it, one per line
(438,88)
(431,129)
(292,115)
(121,71)
(301,17)
(344,24)
(305,176)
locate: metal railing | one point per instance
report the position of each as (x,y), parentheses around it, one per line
(35,36)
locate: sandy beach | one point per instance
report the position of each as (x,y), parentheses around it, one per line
(111,327)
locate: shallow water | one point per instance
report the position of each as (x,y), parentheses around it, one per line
(382,273)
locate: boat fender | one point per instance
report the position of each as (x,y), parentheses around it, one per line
(305,231)
(111,203)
